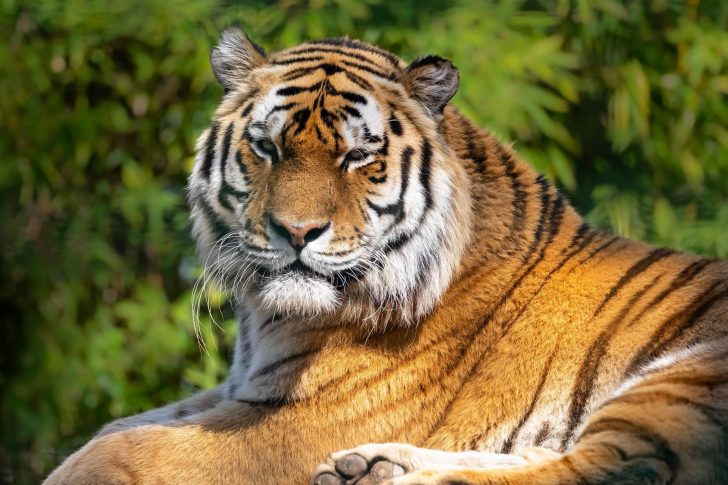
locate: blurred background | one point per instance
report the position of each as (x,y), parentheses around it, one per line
(622,103)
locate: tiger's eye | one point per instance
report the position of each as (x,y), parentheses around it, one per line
(355,155)
(268,146)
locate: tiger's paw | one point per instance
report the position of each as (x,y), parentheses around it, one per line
(353,469)
(374,464)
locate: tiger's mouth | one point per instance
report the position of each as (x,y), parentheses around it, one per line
(300,270)
(296,268)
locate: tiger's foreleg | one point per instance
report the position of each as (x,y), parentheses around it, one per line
(202,401)
(232,443)
(669,425)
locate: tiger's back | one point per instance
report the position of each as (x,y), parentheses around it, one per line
(405,278)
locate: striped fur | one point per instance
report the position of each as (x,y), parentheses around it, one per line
(453,301)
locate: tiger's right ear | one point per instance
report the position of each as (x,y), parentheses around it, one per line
(432,81)
(234,57)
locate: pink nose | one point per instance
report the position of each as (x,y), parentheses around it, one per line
(298,235)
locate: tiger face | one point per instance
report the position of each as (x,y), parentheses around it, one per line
(323,186)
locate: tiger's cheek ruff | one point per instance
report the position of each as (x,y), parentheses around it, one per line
(423,254)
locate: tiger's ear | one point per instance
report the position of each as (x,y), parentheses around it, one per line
(432,81)
(234,57)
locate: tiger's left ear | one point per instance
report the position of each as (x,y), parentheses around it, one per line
(234,57)
(432,81)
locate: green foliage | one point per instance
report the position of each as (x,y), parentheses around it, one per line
(621,102)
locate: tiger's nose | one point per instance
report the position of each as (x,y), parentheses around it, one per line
(298,235)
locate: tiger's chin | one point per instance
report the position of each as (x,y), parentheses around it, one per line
(298,294)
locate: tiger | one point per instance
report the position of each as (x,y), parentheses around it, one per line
(417,305)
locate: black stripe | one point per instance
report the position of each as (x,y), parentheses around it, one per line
(239,161)
(382,152)
(427,258)
(640,398)
(257,251)
(270,320)
(243,100)
(537,237)
(281,107)
(397,209)
(580,233)
(711,380)
(378,180)
(398,243)
(354,44)
(280,363)
(639,267)
(319,135)
(338,253)
(545,199)
(296,60)
(221,195)
(294,90)
(685,277)
(373,67)
(329,70)
(331,50)
(352,111)
(557,217)
(353,97)
(543,433)
(596,251)
(519,199)
(675,327)
(510,441)
(358,80)
(210,151)
(273,402)
(591,365)
(301,118)
(230,190)
(298,73)
(226,146)
(395,126)
(247,109)
(403,239)
(381,74)
(430,60)
(476,149)
(219,227)
(372,138)
(327,117)
(426,173)
(617,450)
(662,448)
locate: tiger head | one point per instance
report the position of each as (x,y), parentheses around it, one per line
(323,185)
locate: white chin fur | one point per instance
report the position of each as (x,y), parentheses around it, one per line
(296,294)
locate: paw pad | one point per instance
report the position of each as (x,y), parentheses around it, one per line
(351,466)
(353,469)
